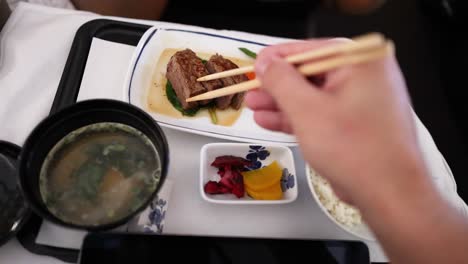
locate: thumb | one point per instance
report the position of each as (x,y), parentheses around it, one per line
(290,89)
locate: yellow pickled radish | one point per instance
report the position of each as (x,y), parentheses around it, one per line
(272,193)
(264,178)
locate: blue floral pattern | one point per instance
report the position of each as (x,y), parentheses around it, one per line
(256,155)
(156,216)
(287,180)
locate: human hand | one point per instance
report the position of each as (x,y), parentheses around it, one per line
(356,129)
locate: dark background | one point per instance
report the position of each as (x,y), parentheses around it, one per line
(429,38)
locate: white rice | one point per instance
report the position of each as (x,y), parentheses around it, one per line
(342,212)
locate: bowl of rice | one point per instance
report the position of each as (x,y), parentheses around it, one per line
(345,216)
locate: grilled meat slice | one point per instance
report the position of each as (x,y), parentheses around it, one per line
(237,100)
(218,64)
(183,70)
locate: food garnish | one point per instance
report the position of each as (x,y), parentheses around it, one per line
(172,97)
(249,53)
(251,75)
(213,116)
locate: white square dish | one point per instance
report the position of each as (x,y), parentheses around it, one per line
(260,156)
(145,81)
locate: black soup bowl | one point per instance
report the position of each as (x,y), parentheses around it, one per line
(57,126)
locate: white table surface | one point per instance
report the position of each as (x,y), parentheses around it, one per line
(187,212)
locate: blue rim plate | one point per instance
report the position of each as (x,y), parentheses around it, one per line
(139,81)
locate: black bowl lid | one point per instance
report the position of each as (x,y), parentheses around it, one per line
(13,209)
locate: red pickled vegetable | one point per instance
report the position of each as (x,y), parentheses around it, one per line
(238,191)
(232,181)
(232,161)
(222,170)
(223,189)
(226,181)
(211,187)
(238,180)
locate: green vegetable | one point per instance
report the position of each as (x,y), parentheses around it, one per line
(249,53)
(95,150)
(203,60)
(89,177)
(113,147)
(90,174)
(172,97)
(214,118)
(141,164)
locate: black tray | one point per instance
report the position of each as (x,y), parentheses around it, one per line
(67,92)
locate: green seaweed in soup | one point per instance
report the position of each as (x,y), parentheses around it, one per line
(99,174)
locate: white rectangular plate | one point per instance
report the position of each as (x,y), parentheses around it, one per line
(143,67)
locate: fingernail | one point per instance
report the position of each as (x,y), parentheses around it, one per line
(343,40)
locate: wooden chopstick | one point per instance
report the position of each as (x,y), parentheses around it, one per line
(359,43)
(348,59)
(306,69)
(228,73)
(232,89)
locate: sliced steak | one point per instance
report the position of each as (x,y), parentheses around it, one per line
(238,99)
(210,86)
(183,70)
(218,64)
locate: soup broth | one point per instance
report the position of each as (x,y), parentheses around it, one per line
(99,174)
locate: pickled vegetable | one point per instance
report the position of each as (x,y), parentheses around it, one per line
(264,178)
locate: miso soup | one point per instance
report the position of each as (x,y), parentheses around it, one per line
(99,174)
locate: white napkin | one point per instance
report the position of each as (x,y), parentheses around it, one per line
(103,58)
(35,44)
